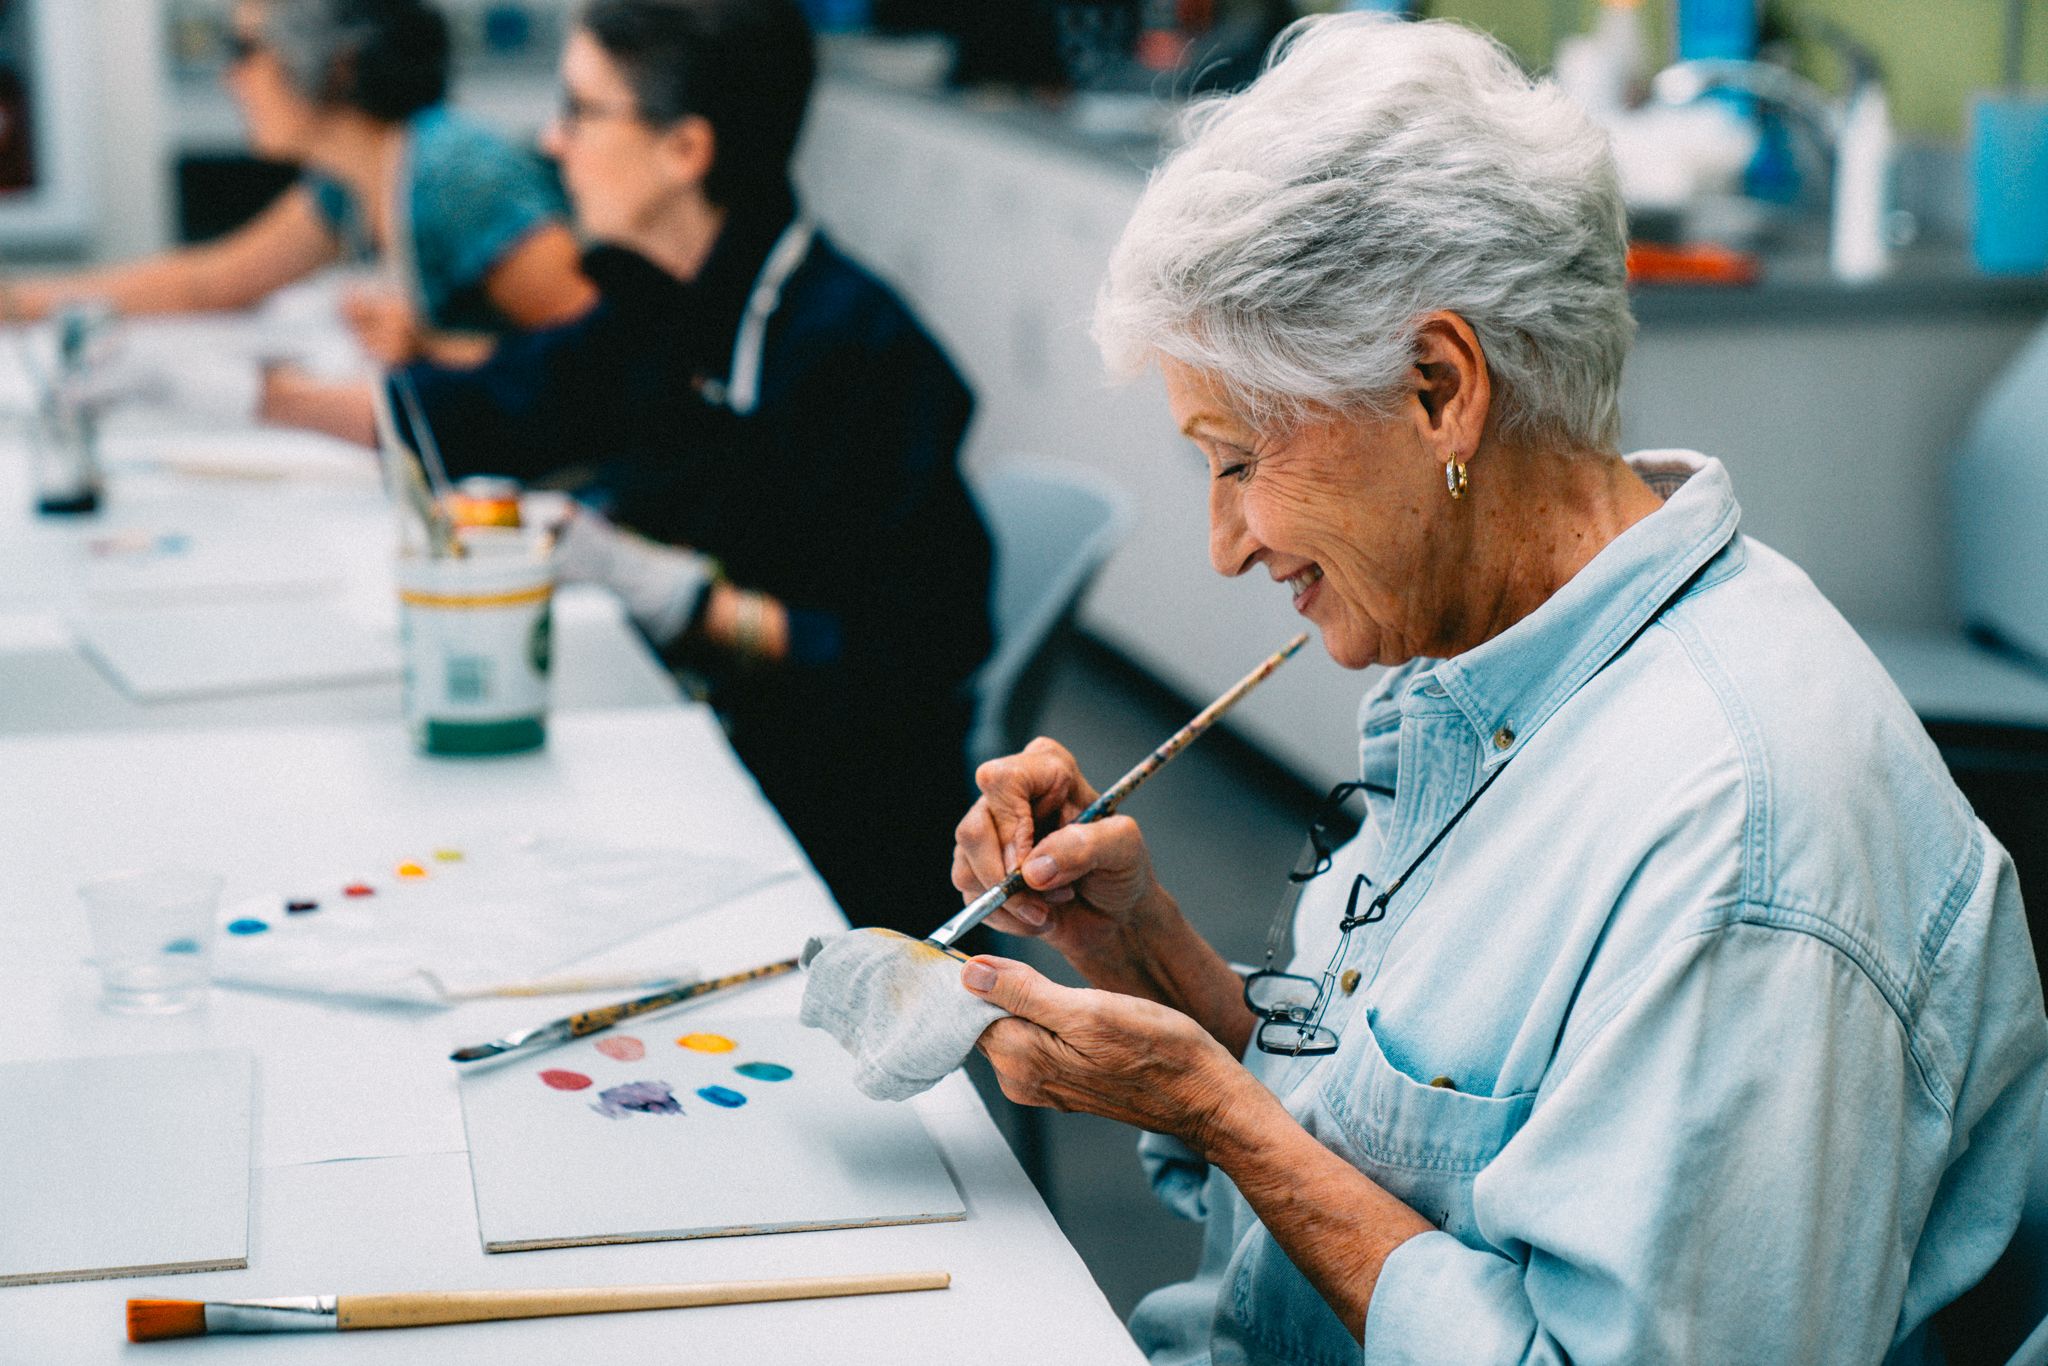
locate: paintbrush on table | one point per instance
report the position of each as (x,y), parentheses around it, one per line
(604,1017)
(985,905)
(154,1320)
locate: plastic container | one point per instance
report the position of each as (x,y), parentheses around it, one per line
(2009,182)
(151,932)
(475,634)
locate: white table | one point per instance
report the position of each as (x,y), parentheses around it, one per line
(362,1177)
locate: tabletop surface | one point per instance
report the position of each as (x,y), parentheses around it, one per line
(361,1179)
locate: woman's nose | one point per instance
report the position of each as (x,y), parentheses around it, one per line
(1231,544)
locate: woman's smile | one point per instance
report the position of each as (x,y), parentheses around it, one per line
(1303,583)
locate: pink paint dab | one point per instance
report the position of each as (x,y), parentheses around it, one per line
(564,1080)
(622,1048)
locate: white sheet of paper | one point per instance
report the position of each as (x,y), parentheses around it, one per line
(809,1152)
(510,912)
(158,654)
(124,1166)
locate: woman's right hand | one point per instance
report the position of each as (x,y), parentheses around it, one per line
(1091,893)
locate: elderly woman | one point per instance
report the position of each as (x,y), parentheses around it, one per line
(470,227)
(1671,1004)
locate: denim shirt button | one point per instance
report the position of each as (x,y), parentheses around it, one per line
(1503,738)
(1349,981)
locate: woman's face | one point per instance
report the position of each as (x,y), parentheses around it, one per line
(282,122)
(619,170)
(1349,514)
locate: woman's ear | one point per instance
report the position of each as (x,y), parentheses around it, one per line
(1453,388)
(687,149)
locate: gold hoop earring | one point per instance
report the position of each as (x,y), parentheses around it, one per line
(1454,478)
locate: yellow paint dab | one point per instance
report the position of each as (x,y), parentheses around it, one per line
(448,856)
(411,870)
(707,1043)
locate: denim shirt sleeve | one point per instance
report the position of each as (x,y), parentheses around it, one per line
(1621,1241)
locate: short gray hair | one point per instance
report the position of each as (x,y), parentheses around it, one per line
(387,58)
(1376,172)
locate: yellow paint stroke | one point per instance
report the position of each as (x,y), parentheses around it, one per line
(448,855)
(707,1043)
(411,870)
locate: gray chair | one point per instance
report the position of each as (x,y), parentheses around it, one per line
(1053,526)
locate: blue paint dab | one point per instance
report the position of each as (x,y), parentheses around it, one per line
(246,927)
(182,946)
(764,1071)
(721,1096)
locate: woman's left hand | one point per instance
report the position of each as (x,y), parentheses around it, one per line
(1105,1054)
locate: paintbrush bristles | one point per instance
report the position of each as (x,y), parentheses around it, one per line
(153,1320)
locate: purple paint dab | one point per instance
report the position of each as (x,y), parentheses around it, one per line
(300,907)
(247,926)
(764,1071)
(637,1098)
(722,1097)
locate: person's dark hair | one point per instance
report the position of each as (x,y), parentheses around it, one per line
(745,66)
(387,58)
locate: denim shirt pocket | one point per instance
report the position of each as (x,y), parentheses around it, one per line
(1424,1144)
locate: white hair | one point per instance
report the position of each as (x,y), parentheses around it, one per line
(1376,172)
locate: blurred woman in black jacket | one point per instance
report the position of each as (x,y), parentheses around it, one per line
(774,426)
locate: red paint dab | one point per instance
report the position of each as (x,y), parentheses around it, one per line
(563,1080)
(359,889)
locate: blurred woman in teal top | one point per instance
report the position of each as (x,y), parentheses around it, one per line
(468,227)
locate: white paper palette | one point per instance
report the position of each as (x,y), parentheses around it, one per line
(640,1154)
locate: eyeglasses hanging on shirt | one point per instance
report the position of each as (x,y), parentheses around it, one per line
(1291,1007)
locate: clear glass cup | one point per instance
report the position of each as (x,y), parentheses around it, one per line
(151,935)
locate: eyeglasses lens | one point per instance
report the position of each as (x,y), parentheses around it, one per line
(1296,1040)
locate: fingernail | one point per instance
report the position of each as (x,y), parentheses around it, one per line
(1028,913)
(977,976)
(1039,869)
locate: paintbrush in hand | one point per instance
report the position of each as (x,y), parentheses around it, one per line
(604,1017)
(152,1320)
(990,901)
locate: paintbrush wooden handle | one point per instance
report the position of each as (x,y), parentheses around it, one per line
(604,1017)
(478,1306)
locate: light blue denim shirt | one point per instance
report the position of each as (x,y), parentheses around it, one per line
(1728,995)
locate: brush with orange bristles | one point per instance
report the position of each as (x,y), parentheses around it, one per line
(151,1320)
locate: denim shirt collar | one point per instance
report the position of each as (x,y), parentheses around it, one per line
(1509,685)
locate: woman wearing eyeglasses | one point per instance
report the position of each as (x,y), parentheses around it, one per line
(469,227)
(1671,1003)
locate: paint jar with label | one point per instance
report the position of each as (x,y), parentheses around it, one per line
(475,636)
(151,932)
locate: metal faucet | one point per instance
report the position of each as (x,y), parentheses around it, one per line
(1854,134)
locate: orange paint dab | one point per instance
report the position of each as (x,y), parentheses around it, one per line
(707,1043)
(411,870)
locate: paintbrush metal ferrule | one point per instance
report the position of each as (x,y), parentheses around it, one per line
(293,1314)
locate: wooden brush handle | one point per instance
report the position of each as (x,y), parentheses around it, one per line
(477,1306)
(604,1017)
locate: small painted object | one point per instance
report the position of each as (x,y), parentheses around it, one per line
(706,1043)
(448,856)
(564,1080)
(622,1048)
(300,907)
(637,1098)
(764,1071)
(411,871)
(359,889)
(247,926)
(722,1097)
